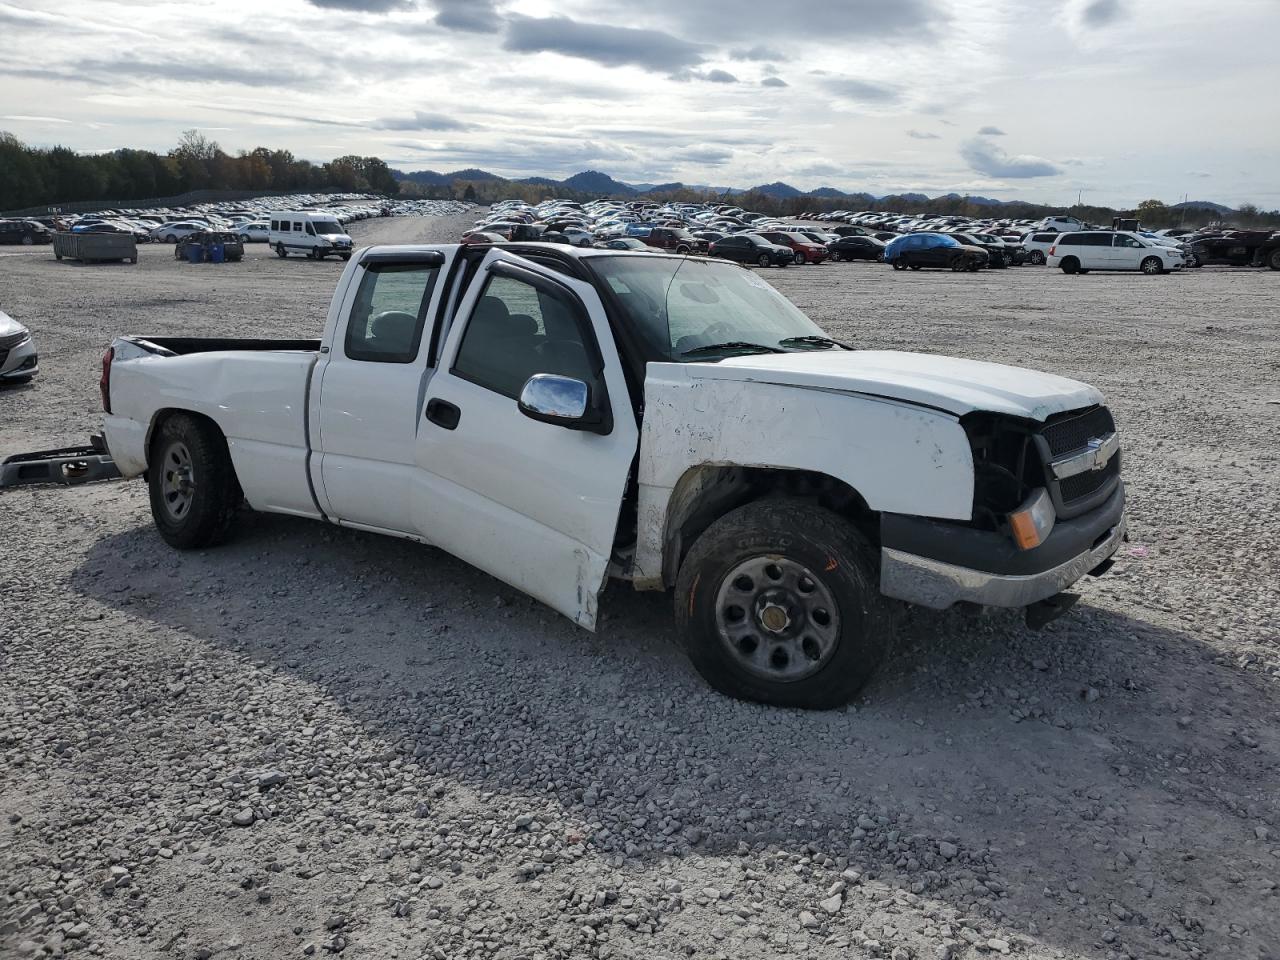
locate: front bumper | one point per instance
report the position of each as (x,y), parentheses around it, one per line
(20,362)
(1075,548)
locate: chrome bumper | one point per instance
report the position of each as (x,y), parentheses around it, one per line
(937,585)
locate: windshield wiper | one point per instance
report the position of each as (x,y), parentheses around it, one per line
(741,345)
(815,340)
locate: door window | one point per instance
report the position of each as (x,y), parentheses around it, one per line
(389,313)
(1127,242)
(517,330)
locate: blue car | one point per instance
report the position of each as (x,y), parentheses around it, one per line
(916,250)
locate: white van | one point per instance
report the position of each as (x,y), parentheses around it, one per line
(1111,250)
(313,233)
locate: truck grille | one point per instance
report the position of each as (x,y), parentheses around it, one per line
(1069,434)
(1074,431)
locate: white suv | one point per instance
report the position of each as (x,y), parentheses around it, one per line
(1111,250)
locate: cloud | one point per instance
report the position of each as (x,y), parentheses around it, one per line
(706,154)
(31,119)
(363,6)
(468,16)
(1101,13)
(922,135)
(863,91)
(603,44)
(192,70)
(864,21)
(987,158)
(758,52)
(991,132)
(774,82)
(721,76)
(711,76)
(420,121)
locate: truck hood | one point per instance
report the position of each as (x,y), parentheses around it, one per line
(947,383)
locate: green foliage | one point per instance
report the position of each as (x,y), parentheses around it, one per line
(32,177)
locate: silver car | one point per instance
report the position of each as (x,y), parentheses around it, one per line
(18,360)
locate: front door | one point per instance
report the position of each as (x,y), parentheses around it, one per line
(370,387)
(534,504)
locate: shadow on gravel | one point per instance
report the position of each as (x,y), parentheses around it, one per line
(1093,777)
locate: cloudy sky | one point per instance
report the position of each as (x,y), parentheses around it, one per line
(1035,99)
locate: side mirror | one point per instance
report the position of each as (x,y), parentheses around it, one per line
(563,401)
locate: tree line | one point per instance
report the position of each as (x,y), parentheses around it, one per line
(35,176)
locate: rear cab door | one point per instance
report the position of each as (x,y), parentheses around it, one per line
(367,391)
(535,504)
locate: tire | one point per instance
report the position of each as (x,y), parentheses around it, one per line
(27,240)
(244,238)
(1070,265)
(958,264)
(1273,261)
(193,486)
(171,238)
(1152,266)
(1037,257)
(682,251)
(750,566)
(764,260)
(281,252)
(915,266)
(798,258)
(320,254)
(346,257)
(898,266)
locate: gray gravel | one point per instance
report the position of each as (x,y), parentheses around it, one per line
(314,741)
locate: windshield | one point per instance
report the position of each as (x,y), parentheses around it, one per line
(324,227)
(683,307)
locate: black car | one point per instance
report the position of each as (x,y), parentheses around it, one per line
(24,232)
(856,247)
(1240,248)
(997,254)
(752,248)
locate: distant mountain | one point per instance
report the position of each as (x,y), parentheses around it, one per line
(539,181)
(433,179)
(825,192)
(1202,205)
(658,187)
(593,181)
(778,189)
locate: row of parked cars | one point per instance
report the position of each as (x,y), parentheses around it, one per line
(907,242)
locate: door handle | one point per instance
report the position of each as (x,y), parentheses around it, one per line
(443,413)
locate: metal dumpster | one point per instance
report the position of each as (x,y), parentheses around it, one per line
(95,247)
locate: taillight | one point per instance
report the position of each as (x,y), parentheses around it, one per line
(104,384)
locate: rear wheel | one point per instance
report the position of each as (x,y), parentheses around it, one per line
(1152,265)
(1037,257)
(193,486)
(1070,265)
(778,602)
(281,251)
(915,266)
(170,238)
(1273,261)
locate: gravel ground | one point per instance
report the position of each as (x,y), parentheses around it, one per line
(315,741)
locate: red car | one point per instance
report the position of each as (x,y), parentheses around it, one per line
(806,249)
(677,240)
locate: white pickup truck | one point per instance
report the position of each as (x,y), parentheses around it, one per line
(557,416)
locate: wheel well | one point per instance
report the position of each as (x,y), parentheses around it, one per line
(168,413)
(705,494)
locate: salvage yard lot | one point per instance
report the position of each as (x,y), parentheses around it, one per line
(315,737)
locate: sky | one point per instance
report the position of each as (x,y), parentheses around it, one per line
(1114,101)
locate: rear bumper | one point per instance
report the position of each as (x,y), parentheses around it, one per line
(1075,548)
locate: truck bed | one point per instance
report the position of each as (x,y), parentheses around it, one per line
(183,346)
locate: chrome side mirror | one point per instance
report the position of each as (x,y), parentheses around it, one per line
(563,401)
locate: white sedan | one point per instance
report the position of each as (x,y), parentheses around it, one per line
(179,230)
(18,359)
(254,232)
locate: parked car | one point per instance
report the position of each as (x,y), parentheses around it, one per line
(1037,245)
(19,361)
(622,243)
(173,232)
(578,236)
(998,256)
(1060,225)
(918,250)
(25,232)
(855,246)
(315,234)
(1111,250)
(674,240)
(803,249)
(256,231)
(752,248)
(965,483)
(1240,248)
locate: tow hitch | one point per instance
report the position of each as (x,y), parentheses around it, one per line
(1050,609)
(68,466)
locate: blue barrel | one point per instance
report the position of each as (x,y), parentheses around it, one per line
(217,253)
(195,253)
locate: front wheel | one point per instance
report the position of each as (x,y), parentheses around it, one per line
(27,240)
(764,260)
(778,602)
(244,238)
(798,258)
(1152,265)
(193,486)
